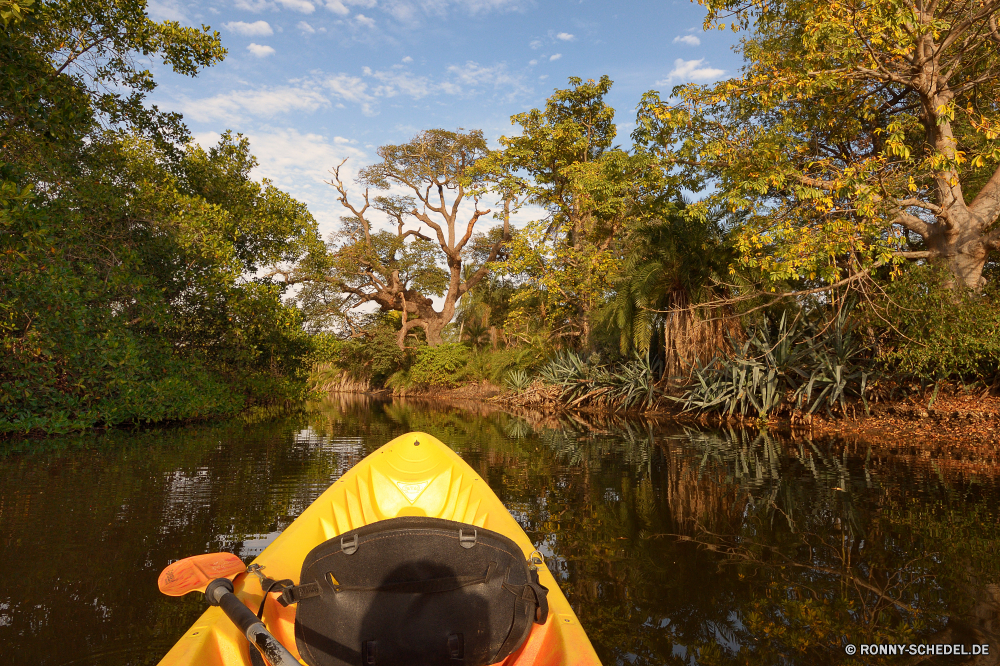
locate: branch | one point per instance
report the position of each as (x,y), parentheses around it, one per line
(411,232)
(994,33)
(423,217)
(884,76)
(920,203)
(494,251)
(818,183)
(913,223)
(992,239)
(725,302)
(360,214)
(468,231)
(986,205)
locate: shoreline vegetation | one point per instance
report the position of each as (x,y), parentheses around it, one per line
(813,245)
(941,419)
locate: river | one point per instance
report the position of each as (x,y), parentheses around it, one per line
(674,545)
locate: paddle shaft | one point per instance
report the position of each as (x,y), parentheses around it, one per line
(220,593)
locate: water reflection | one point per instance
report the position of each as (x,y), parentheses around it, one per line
(674,545)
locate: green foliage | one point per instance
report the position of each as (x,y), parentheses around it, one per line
(518,381)
(672,260)
(125,250)
(592,382)
(444,365)
(788,366)
(834,142)
(564,160)
(371,358)
(925,330)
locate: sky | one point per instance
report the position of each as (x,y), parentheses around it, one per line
(311,82)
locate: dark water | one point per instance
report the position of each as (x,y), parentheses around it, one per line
(674,546)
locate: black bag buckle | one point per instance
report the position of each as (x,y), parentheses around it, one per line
(296,593)
(349,547)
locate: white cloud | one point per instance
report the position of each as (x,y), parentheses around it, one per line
(252,5)
(255,28)
(555,56)
(300,163)
(473,75)
(365,21)
(690,40)
(260,50)
(366,90)
(400,83)
(536,44)
(167,10)
(407,59)
(352,89)
(305,27)
(532,62)
(481,6)
(302,6)
(685,71)
(411,10)
(565,36)
(234,106)
(337,7)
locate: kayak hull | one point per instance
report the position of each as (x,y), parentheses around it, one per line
(413,475)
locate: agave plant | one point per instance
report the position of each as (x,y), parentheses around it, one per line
(518,381)
(813,367)
(588,381)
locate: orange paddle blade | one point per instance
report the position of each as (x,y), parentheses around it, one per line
(195,573)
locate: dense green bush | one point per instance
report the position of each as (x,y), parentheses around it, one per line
(369,359)
(444,365)
(925,329)
(125,248)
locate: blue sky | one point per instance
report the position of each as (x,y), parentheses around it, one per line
(311,82)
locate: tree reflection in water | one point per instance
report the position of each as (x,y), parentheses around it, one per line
(674,546)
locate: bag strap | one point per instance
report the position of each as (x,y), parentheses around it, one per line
(296,593)
(268,585)
(532,591)
(431,586)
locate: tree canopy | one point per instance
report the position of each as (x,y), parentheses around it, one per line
(400,270)
(857,134)
(128,253)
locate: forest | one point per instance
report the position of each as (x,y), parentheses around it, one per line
(815,234)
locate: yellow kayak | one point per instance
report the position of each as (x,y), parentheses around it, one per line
(402,478)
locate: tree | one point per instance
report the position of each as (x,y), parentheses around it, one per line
(70,66)
(399,270)
(858,134)
(124,248)
(669,263)
(563,160)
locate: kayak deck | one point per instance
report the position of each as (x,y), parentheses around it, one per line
(413,475)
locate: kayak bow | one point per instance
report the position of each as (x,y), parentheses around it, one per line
(413,475)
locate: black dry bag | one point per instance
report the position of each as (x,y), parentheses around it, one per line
(415,592)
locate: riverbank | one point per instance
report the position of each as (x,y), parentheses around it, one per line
(954,423)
